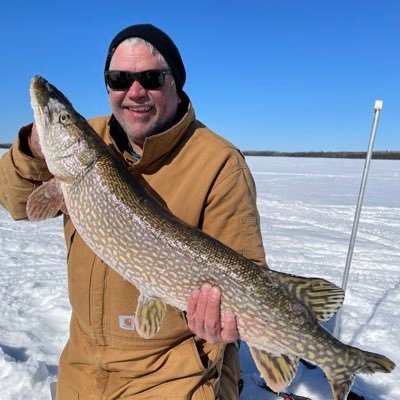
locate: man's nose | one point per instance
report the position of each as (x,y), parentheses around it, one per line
(136,90)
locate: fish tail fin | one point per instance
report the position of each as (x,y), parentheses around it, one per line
(376,363)
(341,376)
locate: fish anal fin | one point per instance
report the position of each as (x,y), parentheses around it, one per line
(277,371)
(150,313)
(341,389)
(320,296)
(46,201)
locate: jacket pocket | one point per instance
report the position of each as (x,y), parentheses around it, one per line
(80,260)
(199,357)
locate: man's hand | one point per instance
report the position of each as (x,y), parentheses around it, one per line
(34,143)
(204,316)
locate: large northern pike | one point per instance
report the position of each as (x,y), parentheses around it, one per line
(277,314)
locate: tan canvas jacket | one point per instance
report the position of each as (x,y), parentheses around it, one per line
(202,179)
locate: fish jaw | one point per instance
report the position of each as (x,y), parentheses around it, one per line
(65,136)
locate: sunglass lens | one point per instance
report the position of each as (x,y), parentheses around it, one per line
(151,79)
(119,80)
(122,80)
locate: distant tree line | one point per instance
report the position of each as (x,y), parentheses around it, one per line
(378,155)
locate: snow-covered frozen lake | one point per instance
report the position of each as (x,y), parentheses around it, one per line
(307,209)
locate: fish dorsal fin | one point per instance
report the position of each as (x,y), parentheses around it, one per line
(46,201)
(321,297)
(277,371)
(150,313)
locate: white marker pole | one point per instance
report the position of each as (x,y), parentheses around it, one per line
(378,108)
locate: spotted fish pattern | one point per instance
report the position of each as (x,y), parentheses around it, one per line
(278,314)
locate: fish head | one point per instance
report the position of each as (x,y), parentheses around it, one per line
(69,144)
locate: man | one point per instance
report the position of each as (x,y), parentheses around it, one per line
(202,179)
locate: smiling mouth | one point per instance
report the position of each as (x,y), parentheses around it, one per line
(139,109)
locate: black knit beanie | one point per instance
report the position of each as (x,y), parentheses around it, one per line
(161,41)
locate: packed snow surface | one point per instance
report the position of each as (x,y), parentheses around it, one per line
(307,209)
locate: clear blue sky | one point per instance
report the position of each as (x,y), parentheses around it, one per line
(285,75)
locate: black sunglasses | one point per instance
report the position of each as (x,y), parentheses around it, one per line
(122,80)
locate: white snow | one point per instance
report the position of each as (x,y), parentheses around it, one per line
(307,209)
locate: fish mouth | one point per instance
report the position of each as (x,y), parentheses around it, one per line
(39,100)
(37,82)
(42,92)
(41,97)
(46,101)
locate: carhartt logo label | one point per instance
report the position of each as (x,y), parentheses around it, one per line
(127,322)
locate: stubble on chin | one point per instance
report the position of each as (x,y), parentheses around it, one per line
(138,136)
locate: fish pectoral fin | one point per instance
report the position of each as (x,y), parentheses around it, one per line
(322,297)
(46,201)
(277,371)
(150,313)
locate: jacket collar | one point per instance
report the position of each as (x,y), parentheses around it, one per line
(156,146)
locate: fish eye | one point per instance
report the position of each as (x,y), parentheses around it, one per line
(64,118)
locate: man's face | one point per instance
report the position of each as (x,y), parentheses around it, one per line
(141,112)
